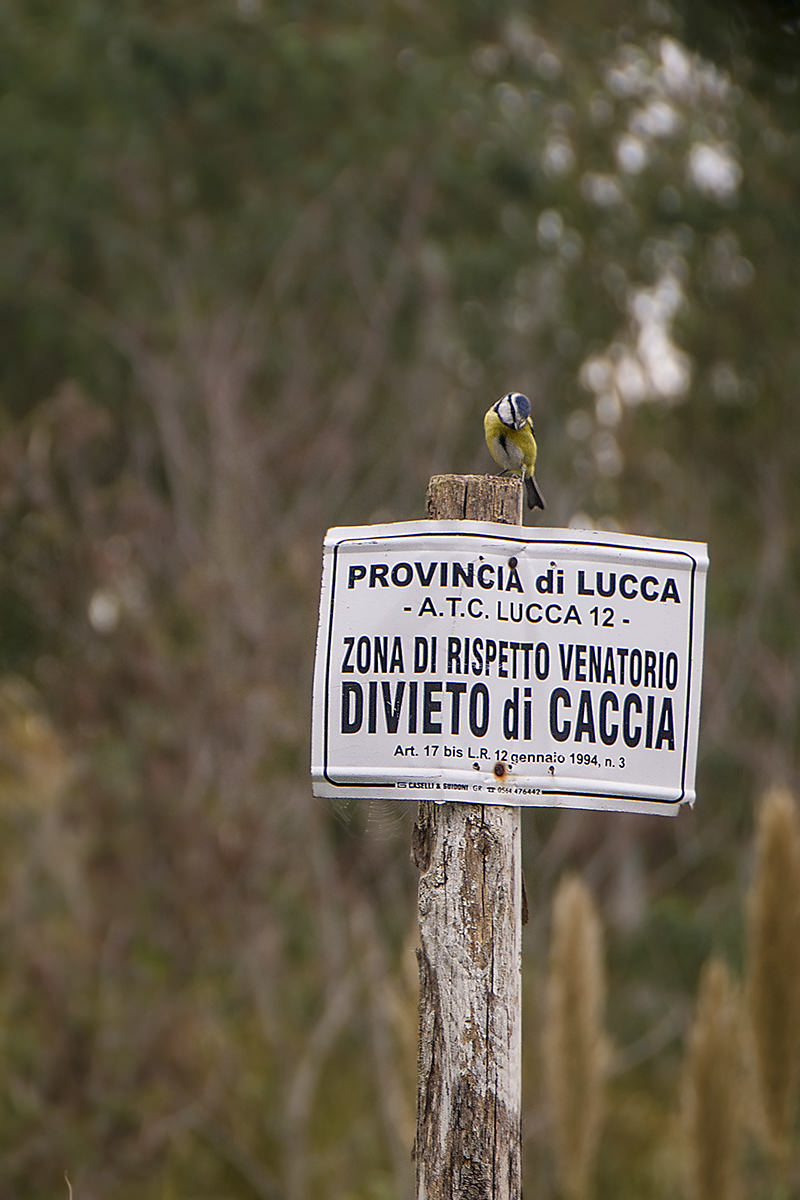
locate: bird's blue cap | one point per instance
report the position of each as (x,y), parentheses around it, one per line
(513,409)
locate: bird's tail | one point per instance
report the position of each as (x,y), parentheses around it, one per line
(535,497)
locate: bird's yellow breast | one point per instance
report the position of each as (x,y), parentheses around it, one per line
(511,449)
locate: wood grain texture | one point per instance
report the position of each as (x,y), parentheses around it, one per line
(470,922)
(475,498)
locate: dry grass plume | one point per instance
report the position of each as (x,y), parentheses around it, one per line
(575,1046)
(773,968)
(712,1095)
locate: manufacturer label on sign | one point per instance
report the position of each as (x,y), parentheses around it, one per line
(464,660)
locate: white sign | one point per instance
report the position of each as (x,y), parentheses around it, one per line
(466,660)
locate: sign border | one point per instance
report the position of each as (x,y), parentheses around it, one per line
(492,531)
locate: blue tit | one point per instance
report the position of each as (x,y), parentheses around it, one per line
(509,436)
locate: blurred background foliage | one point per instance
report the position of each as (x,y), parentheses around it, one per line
(262,269)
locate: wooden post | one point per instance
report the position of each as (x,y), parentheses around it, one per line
(469,1093)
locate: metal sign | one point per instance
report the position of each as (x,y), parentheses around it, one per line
(466,660)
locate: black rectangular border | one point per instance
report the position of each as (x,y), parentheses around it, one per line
(351,787)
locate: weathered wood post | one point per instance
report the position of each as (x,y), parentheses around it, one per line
(470,918)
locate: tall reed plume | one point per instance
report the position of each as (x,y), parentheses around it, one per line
(575,1046)
(773,968)
(712,1104)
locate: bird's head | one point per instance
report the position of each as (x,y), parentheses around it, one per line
(513,409)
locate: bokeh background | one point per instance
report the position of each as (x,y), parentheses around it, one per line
(263,267)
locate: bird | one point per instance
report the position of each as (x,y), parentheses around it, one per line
(509,436)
